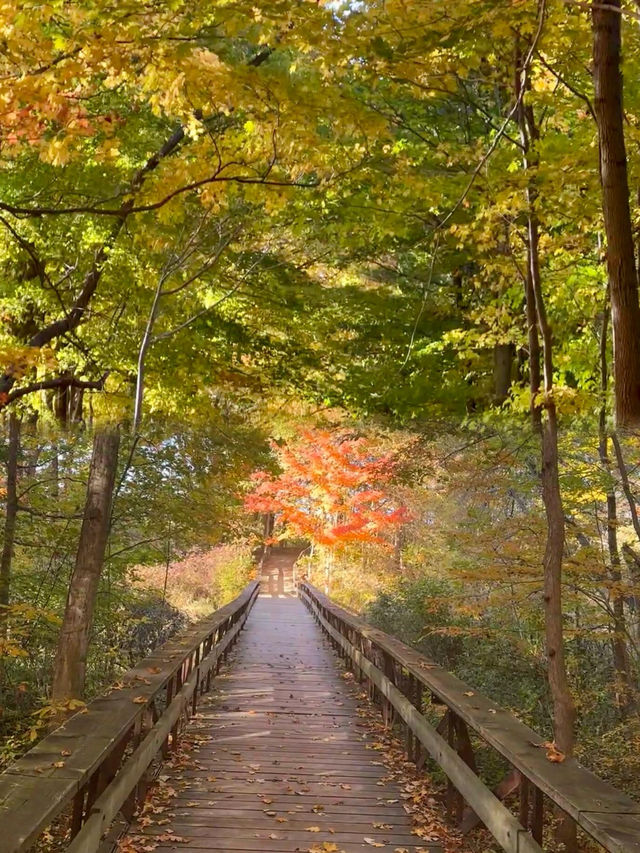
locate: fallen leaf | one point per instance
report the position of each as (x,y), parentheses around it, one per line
(553,753)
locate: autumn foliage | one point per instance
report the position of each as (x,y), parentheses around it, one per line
(331,490)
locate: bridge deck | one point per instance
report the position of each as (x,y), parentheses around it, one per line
(284,752)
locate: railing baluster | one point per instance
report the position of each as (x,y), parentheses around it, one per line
(537,815)
(77,814)
(524,791)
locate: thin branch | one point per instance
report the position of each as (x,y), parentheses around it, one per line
(145,208)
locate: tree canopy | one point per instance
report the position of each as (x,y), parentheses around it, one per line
(304,240)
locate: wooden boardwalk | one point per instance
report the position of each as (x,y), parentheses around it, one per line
(284,766)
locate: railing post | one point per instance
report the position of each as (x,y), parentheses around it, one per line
(418,749)
(78,811)
(219,636)
(175,731)
(166,746)
(194,698)
(454,800)
(353,639)
(523,813)
(387,707)
(537,815)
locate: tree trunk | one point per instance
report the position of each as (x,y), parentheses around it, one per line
(621,658)
(71,655)
(535,378)
(54,470)
(625,309)
(503,355)
(142,354)
(9,534)
(621,661)
(563,706)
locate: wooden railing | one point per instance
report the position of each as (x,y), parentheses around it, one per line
(403,681)
(99,763)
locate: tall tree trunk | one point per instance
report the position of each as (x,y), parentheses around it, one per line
(621,661)
(632,557)
(54,470)
(9,533)
(625,309)
(503,358)
(564,710)
(73,643)
(563,706)
(535,377)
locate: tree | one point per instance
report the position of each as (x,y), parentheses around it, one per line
(331,490)
(621,259)
(9,532)
(71,657)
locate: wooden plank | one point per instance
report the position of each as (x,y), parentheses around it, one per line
(264,844)
(620,830)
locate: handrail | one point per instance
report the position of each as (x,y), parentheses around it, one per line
(401,678)
(96,764)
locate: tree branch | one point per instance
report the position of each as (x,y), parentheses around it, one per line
(74,317)
(58,382)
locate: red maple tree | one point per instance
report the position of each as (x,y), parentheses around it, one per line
(330,490)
